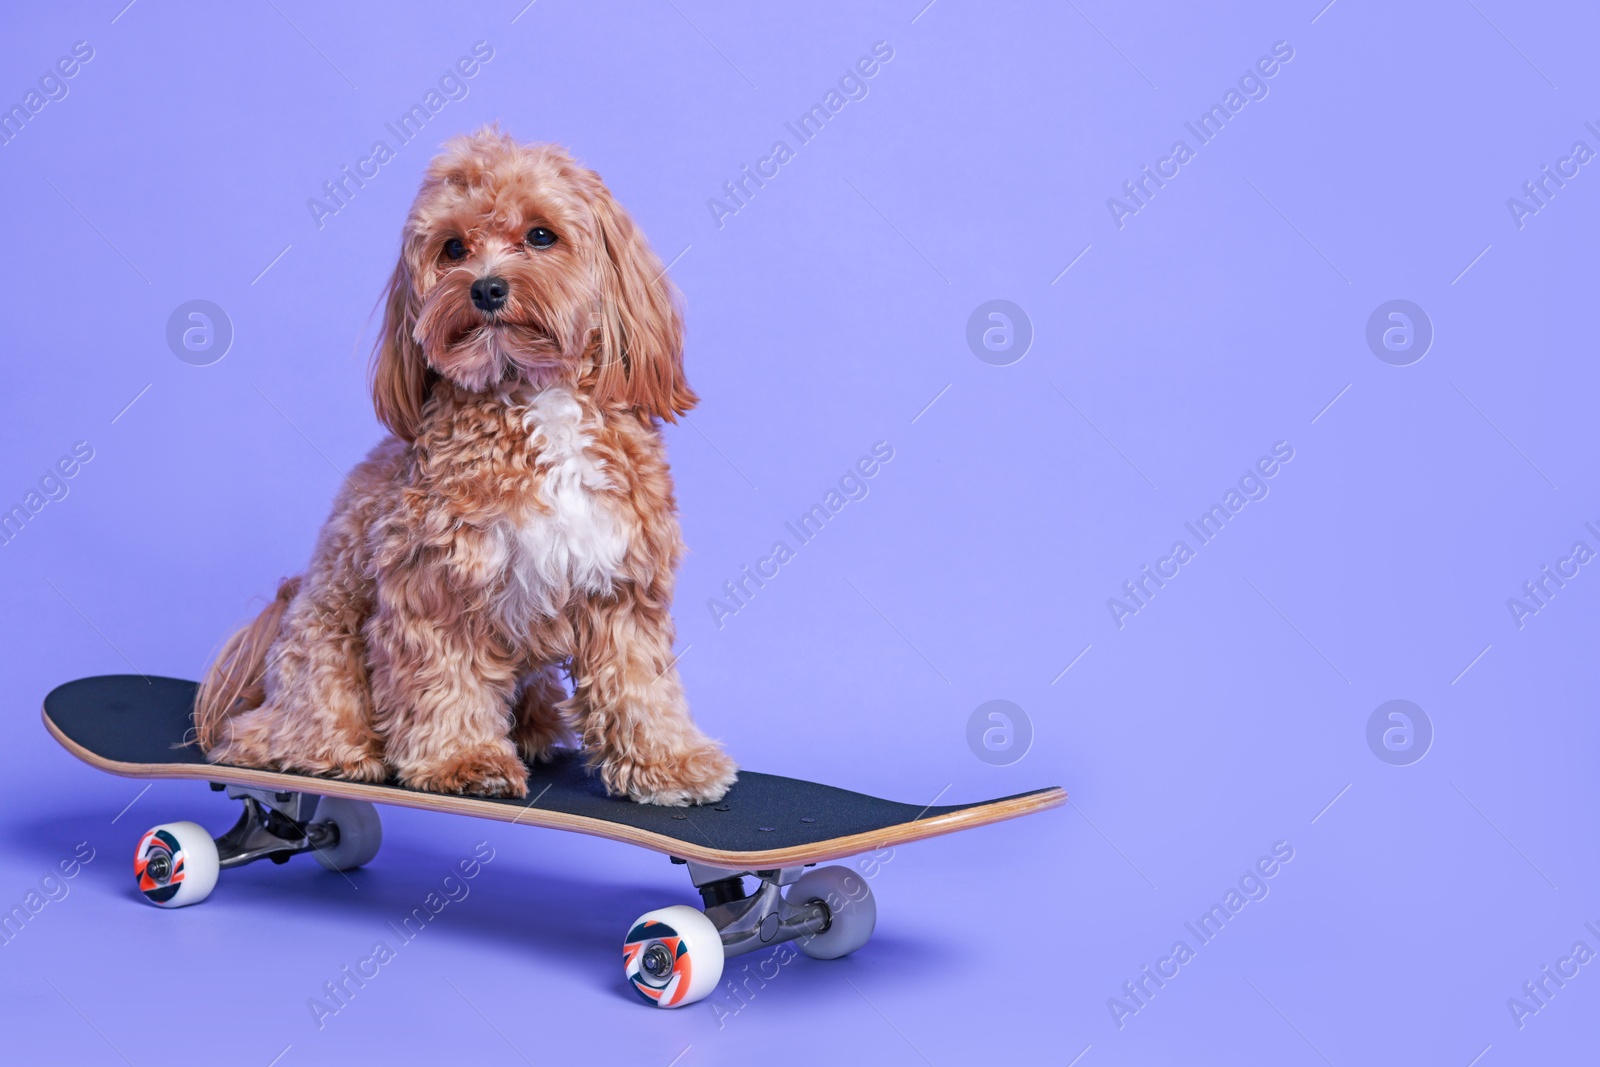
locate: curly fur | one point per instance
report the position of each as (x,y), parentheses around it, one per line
(519,522)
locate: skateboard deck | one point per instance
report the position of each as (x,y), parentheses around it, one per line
(137,727)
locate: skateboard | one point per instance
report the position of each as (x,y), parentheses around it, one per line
(769,829)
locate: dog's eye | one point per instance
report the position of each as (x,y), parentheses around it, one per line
(539,237)
(455,249)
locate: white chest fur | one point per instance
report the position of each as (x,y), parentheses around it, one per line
(570,540)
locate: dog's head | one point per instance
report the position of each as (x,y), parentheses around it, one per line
(517,264)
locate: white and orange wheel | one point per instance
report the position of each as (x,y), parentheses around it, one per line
(176,864)
(673,956)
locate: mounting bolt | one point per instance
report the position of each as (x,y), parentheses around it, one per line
(657,961)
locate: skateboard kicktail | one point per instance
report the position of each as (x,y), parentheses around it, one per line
(768,828)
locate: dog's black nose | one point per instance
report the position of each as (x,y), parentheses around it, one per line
(489,294)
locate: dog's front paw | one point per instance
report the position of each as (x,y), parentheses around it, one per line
(698,773)
(491,770)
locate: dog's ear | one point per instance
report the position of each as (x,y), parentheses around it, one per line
(400,374)
(640,351)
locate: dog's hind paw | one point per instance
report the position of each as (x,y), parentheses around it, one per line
(245,742)
(492,770)
(352,765)
(358,769)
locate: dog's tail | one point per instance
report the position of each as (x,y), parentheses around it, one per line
(236,679)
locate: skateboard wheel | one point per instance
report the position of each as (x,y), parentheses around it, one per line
(176,864)
(852,911)
(360,833)
(673,956)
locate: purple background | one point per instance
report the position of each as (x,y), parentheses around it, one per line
(825,316)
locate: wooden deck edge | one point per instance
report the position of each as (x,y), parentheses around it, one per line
(835,848)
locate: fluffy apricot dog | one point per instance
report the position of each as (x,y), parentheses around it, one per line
(519,522)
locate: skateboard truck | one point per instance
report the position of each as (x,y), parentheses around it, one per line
(177,863)
(746,923)
(273,825)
